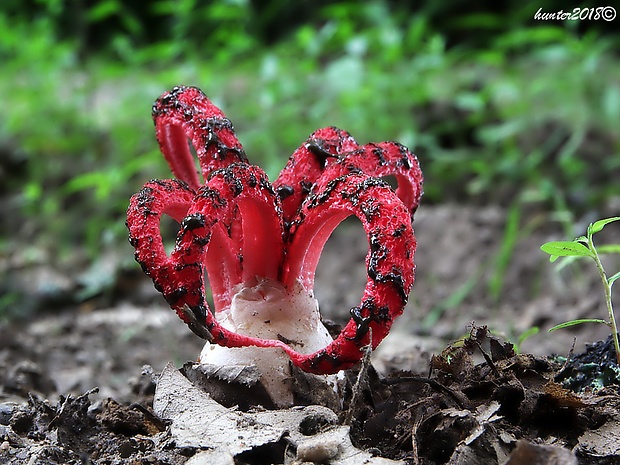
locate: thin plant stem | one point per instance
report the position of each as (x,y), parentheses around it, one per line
(607,287)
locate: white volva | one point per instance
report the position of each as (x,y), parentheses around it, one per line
(267,311)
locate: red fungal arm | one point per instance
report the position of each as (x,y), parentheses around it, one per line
(389,262)
(249,210)
(156,198)
(231,228)
(185,112)
(233,231)
(306,165)
(380,160)
(332,152)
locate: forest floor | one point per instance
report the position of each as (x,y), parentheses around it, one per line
(78,380)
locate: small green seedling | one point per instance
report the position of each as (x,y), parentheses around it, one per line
(524,336)
(583,246)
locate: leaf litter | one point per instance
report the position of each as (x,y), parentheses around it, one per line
(481,403)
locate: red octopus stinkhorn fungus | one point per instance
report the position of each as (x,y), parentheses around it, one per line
(259,243)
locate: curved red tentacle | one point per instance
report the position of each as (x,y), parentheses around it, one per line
(380,160)
(237,195)
(306,165)
(389,262)
(186,113)
(331,152)
(170,197)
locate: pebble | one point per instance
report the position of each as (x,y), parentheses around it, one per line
(211,457)
(6,412)
(318,449)
(10,437)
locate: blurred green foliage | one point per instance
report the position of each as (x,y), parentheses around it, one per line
(499,107)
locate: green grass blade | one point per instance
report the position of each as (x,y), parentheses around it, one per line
(578,322)
(527,334)
(509,241)
(608,248)
(451,301)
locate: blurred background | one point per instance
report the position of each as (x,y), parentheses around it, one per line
(515,122)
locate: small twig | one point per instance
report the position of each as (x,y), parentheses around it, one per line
(414,442)
(66,402)
(567,361)
(149,415)
(461,402)
(357,387)
(197,327)
(489,361)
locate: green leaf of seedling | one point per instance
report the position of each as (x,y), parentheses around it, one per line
(600,224)
(613,278)
(578,322)
(582,240)
(565,249)
(527,334)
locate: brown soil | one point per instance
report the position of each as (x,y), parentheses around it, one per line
(73,389)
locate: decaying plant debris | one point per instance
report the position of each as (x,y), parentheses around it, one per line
(481,404)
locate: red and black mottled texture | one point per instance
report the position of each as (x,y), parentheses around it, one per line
(237,227)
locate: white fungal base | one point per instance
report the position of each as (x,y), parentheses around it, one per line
(267,311)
